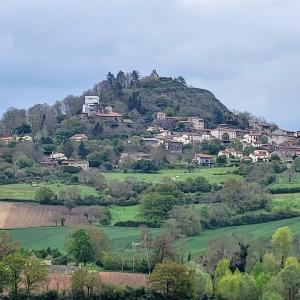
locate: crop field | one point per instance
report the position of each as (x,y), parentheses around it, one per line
(26,192)
(121,238)
(54,237)
(213,175)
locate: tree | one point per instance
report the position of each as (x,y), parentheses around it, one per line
(68,148)
(97,131)
(221,160)
(14,264)
(282,240)
(82,151)
(188,220)
(44,195)
(69,204)
(99,240)
(13,118)
(162,249)
(290,174)
(290,277)
(80,246)
(237,286)
(145,166)
(24,162)
(244,196)
(173,281)
(155,206)
(7,245)
(297,164)
(181,80)
(35,274)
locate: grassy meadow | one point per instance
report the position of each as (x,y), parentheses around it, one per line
(213,175)
(121,238)
(26,192)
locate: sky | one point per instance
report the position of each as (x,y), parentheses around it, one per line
(247,52)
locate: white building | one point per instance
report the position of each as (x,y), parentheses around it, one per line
(91,105)
(260,155)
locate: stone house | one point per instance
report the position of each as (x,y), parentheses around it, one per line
(78,138)
(203,159)
(260,155)
(222,130)
(83,164)
(173,146)
(58,156)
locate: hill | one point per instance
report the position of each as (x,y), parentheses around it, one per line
(129,94)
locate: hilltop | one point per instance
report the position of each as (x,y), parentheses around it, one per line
(150,94)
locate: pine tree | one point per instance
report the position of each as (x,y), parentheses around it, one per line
(97,131)
(82,151)
(68,148)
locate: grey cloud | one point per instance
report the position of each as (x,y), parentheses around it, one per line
(245,52)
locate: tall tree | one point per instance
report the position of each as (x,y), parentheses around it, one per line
(79,245)
(68,148)
(282,240)
(173,281)
(82,151)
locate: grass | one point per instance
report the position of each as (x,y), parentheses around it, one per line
(121,238)
(291,201)
(213,175)
(198,243)
(26,192)
(124,213)
(54,237)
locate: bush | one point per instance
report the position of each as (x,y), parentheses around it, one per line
(284,189)
(45,195)
(133,223)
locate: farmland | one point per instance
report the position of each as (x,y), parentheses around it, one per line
(25,192)
(213,175)
(54,237)
(121,238)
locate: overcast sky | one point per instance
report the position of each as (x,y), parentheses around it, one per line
(247,52)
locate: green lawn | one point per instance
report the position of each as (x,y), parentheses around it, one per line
(26,192)
(213,175)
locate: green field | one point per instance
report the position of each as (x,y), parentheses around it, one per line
(291,201)
(54,237)
(124,213)
(26,192)
(121,238)
(213,175)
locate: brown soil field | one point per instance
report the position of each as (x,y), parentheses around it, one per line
(21,215)
(63,282)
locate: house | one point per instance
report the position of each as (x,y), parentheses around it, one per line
(26,138)
(83,164)
(91,105)
(173,146)
(197,123)
(143,156)
(223,130)
(160,116)
(284,151)
(230,152)
(78,138)
(111,117)
(150,142)
(46,162)
(128,122)
(6,139)
(253,139)
(57,156)
(260,155)
(203,159)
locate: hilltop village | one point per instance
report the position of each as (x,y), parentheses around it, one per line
(176,137)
